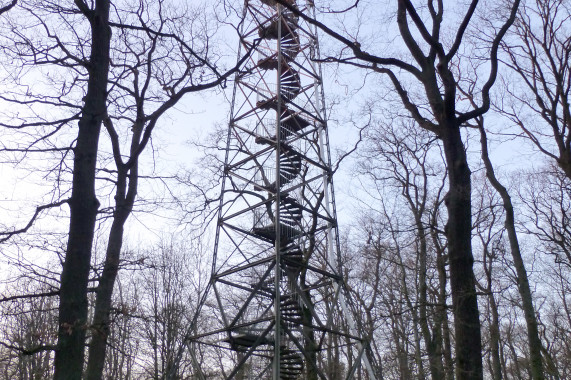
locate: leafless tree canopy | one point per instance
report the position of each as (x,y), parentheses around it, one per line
(455,201)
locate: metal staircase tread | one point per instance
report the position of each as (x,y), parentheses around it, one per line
(269,232)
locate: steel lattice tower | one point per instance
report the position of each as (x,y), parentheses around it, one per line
(275,305)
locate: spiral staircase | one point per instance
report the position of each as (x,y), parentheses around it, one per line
(275,307)
(283,28)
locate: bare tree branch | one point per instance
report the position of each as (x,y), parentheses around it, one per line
(8,7)
(4,236)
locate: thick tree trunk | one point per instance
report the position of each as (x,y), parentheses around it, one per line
(69,358)
(534,343)
(459,235)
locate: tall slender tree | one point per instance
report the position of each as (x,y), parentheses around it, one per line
(534,342)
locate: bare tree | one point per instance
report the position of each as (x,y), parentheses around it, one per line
(546,195)
(486,231)
(173,285)
(83,204)
(89,25)
(400,259)
(534,342)
(538,52)
(430,63)
(149,78)
(126,83)
(123,339)
(28,333)
(556,321)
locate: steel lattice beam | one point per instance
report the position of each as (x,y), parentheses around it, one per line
(275,306)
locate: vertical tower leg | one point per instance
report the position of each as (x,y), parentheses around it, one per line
(275,307)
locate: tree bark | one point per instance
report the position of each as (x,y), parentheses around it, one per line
(69,357)
(459,236)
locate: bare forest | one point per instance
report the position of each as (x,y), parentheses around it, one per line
(450,132)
